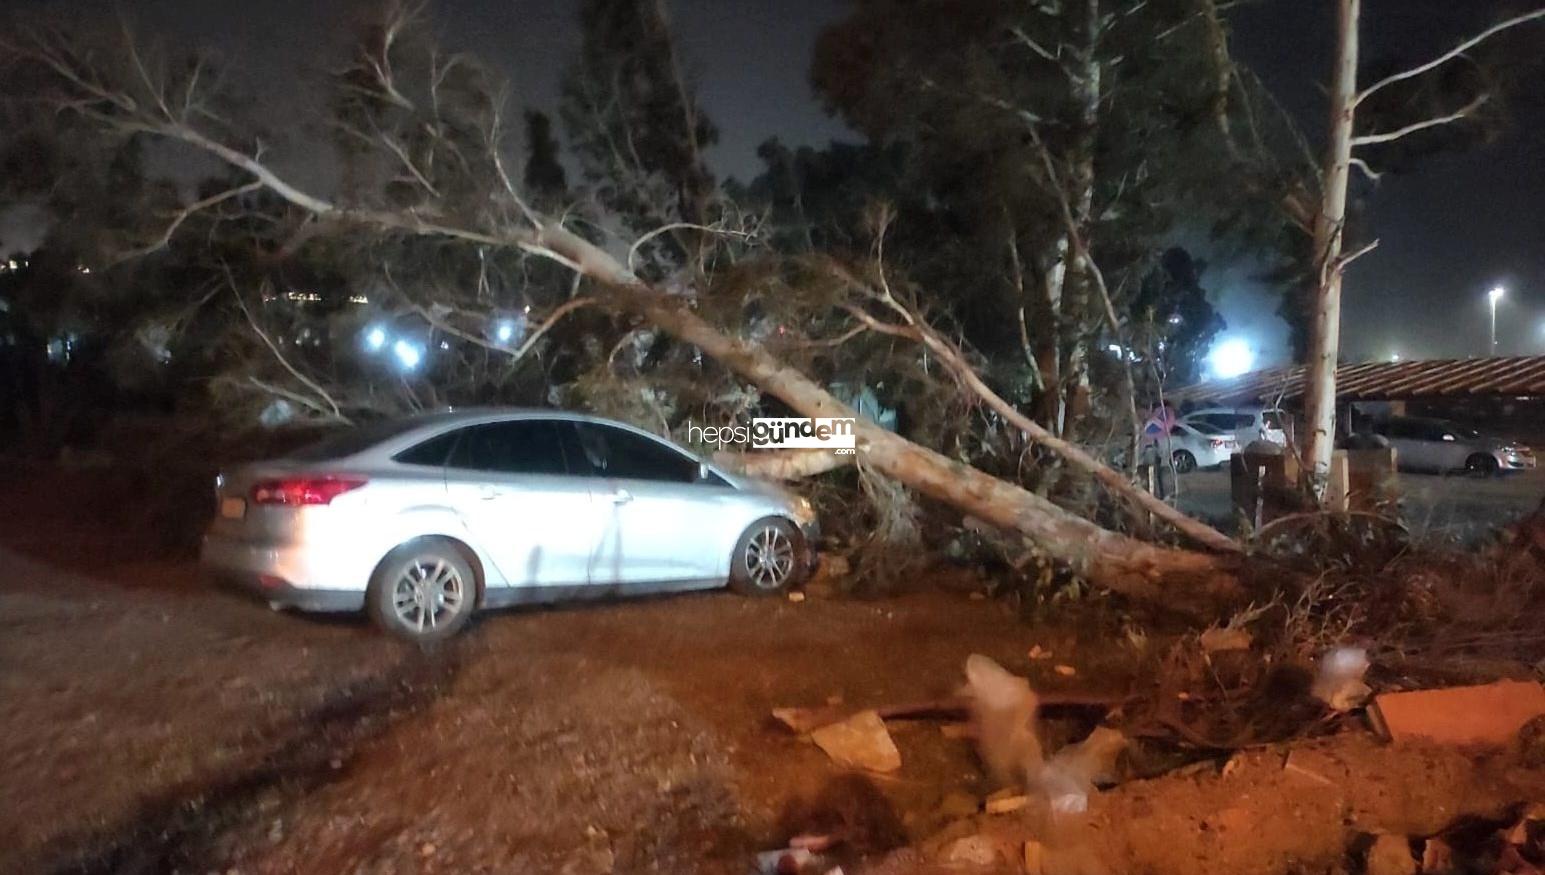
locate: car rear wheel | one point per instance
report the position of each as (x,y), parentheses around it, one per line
(424,591)
(1482,465)
(769,558)
(1185,463)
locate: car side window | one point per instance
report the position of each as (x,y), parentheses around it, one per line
(1177,431)
(433,452)
(1272,420)
(520,446)
(614,452)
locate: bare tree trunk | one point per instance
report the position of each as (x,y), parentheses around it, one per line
(785,465)
(1180,579)
(1325,339)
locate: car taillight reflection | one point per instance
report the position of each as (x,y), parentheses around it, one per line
(298,491)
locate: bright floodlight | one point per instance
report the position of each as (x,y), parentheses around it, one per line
(1494,295)
(375,338)
(1230,358)
(504,331)
(408,355)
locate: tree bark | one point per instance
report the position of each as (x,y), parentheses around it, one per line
(786,465)
(1325,339)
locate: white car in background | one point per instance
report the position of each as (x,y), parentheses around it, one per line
(1247,424)
(1192,446)
(421,521)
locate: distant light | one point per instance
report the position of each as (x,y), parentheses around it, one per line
(1494,295)
(445,344)
(1115,348)
(375,338)
(358,299)
(1230,358)
(408,355)
(1394,357)
(1175,319)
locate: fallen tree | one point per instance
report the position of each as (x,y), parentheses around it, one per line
(142,99)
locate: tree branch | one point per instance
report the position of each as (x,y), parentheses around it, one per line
(951,356)
(1449,55)
(1371,139)
(182,216)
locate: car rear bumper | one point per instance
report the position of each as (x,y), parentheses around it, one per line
(278,574)
(1516,461)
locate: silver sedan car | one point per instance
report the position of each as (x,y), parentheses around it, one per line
(421,521)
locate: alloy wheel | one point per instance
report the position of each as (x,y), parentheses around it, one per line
(428,593)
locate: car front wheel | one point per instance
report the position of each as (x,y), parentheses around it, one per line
(769,558)
(424,591)
(1482,465)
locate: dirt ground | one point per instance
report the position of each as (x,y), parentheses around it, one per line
(152,724)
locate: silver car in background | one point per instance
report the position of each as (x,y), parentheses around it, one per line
(421,521)
(1247,424)
(1439,445)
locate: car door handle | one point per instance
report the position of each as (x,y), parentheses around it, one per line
(621,496)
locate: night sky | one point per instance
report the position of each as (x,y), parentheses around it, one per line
(1449,231)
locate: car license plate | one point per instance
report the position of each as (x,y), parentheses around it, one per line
(233,508)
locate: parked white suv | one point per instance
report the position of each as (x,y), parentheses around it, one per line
(421,521)
(1247,424)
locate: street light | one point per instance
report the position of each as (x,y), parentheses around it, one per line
(1493,297)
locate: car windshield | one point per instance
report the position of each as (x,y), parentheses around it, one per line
(343,444)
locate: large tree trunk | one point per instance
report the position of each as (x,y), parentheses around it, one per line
(1178,579)
(1329,227)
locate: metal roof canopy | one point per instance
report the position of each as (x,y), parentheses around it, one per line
(1381,381)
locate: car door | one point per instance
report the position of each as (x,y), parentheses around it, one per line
(511,482)
(1413,450)
(661,522)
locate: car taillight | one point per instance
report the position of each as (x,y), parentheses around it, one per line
(298,491)
(1216,442)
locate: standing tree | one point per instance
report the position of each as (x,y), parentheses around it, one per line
(1331,253)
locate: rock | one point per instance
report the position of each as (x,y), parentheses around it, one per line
(1489,715)
(957,804)
(1066,671)
(973,850)
(796,596)
(1037,652)
(427,849)
(861,741)
(1390,855)
(1222,640)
